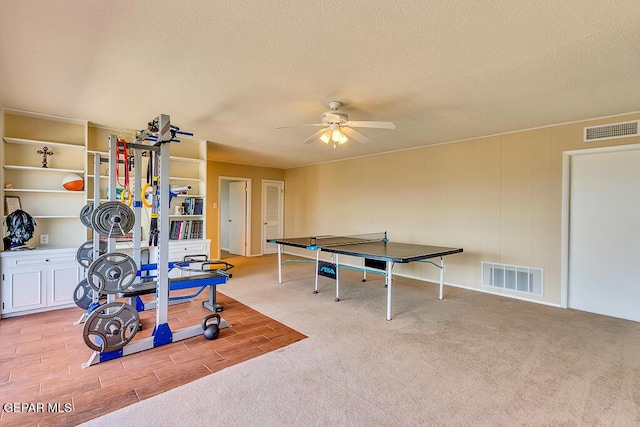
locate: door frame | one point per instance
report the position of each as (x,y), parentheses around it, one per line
(566,199)
(247,225)
(263,238)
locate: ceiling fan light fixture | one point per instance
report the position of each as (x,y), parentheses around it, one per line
(338,136)
(326,136)
(332,123)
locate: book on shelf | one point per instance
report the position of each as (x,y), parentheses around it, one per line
(186,229)
(198,206)
(193,206)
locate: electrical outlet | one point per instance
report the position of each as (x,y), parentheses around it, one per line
(44,239)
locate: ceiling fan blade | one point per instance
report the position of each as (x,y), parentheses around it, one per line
(297,126)
(370,124)
(315,136)
(355,135)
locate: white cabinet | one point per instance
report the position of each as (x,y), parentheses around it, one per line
(38,280)
(178,250)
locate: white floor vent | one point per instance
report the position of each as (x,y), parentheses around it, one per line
(521,279)
(616,130)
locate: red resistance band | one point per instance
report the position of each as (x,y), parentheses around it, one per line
(122,151)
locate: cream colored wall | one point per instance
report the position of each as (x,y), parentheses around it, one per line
(499,198)
(217,169)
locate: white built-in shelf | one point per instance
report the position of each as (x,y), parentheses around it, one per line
(102,153)
(107,176)
(186,159)
(180,178)
(38,190)
(41,169)
(131,175)
(41,193)
(172,158)
(186,216)
(47,143)
(189,195)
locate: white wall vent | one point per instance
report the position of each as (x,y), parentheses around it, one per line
(521,279)
(616,130)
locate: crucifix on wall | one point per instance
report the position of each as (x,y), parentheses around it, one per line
(45,152)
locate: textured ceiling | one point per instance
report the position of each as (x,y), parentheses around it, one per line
(231,71)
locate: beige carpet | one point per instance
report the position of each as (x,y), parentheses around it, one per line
(471,359)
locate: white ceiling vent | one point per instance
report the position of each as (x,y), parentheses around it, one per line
(616,130)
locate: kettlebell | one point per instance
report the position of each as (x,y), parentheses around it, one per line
(212,330)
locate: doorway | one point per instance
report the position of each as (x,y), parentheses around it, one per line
(235,216)
(272,214)
(602,205)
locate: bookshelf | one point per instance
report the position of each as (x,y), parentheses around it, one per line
(39,189)
(187,168)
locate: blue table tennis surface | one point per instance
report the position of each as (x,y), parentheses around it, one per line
(379,250)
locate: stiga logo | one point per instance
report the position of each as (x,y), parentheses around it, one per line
(327,269)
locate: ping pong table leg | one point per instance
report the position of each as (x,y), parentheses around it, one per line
(279,263)
(441,296)
(388,280)
(315,289)
(337,278)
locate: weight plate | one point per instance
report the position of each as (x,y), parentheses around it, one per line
(85,214)
(84,256)
(112,219)
(83,294)
(110,327)
(112,273)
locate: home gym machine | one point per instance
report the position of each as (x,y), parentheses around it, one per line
(110,326)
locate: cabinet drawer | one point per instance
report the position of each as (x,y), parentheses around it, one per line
(178,252)
(39,260)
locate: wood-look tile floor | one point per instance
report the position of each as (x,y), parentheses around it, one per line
(41,357)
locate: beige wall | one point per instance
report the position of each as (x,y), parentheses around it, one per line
(217,169)
(499,198)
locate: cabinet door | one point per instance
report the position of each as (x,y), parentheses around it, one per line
(61,284)
(23,289)
(178,250)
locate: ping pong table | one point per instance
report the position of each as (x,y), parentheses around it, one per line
(378,252)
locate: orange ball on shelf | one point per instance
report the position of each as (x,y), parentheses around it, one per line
(73,183)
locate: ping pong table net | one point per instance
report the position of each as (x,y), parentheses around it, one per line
(330,240)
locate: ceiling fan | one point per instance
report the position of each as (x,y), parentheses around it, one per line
(337,129)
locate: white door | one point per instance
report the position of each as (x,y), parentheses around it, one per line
(272,214)
(604,233)
(237,217)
